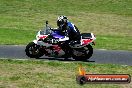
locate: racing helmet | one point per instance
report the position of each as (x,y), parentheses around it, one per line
(62,21)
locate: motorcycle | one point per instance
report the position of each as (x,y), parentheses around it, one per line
(48,42)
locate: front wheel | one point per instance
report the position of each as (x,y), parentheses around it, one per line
(32,50)
(88,51)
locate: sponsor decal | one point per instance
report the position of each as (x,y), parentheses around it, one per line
(83,78)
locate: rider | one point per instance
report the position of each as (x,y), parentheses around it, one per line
(70,30)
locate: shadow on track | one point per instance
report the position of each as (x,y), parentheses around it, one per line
(62,59)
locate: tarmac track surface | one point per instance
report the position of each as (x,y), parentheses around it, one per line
(99,56)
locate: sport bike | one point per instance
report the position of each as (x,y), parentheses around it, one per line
(48,41)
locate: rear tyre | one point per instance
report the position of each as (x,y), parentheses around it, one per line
(32,50)
(88,53)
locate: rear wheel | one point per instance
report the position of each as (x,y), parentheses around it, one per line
(88,51)
(32,50)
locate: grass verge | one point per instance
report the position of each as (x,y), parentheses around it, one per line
(110,21)
(54,74)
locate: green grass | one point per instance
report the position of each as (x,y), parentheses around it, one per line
(12,36)
(109,19)
(114,42)
(54,74)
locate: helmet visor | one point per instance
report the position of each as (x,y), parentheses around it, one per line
(60,23)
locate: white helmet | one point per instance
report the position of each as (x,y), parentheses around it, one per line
(62,20)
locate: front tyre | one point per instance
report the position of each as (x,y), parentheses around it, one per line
(88,53)
(32,50)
